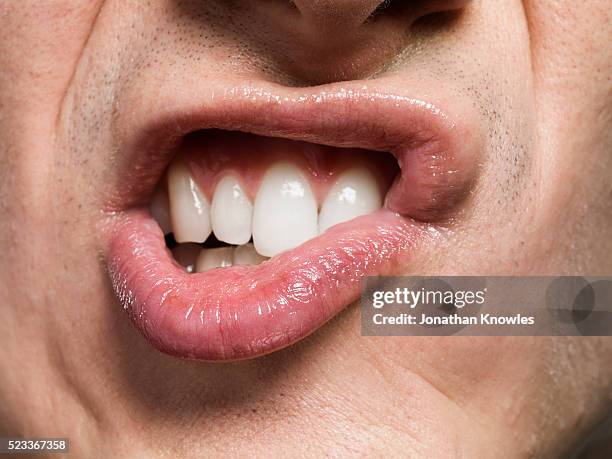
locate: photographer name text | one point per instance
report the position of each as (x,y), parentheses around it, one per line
(454,300)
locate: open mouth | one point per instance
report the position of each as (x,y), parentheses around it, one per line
(233,199)
(268,212)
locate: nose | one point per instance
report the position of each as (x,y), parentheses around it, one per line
(343,17)
(341,14)
(347,39)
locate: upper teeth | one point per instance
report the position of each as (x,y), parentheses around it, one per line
(189,208)
(355,193)
(285,212)
(231,212)
(284,215)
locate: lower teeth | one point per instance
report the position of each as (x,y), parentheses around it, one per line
(212,254)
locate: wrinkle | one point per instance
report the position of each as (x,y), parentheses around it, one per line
(78,60)
(73,389)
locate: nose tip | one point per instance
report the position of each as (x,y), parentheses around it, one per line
(328,14)
(348,39)
(343,15)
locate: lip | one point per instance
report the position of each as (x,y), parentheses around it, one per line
(243,312)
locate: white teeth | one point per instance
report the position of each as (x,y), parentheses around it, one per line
(283,216)
(214,258)
(160,211)
(355,193)
(247,255)
(231,212)
(189,208)
(285,211)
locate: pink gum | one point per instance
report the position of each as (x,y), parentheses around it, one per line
(212,155)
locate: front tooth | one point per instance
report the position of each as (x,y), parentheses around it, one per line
(214,258)
(231,212)
(189,208)
(355,193)
(247,255)
(160,211)
(285,212)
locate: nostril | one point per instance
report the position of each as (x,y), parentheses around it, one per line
(293,6)
(416,9)
(383,6)
(389,7)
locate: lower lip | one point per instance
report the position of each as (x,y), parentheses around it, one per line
(243,312)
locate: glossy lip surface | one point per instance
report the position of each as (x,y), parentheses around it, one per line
(243,312)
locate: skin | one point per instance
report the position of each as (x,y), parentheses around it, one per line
(73,366)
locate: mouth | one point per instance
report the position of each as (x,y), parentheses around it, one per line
(247,218)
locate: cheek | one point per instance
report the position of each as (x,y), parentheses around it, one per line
(486,371)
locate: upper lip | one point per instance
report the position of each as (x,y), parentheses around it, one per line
(443,134)
(252,311)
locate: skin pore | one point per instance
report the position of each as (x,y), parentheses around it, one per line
(75,75)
